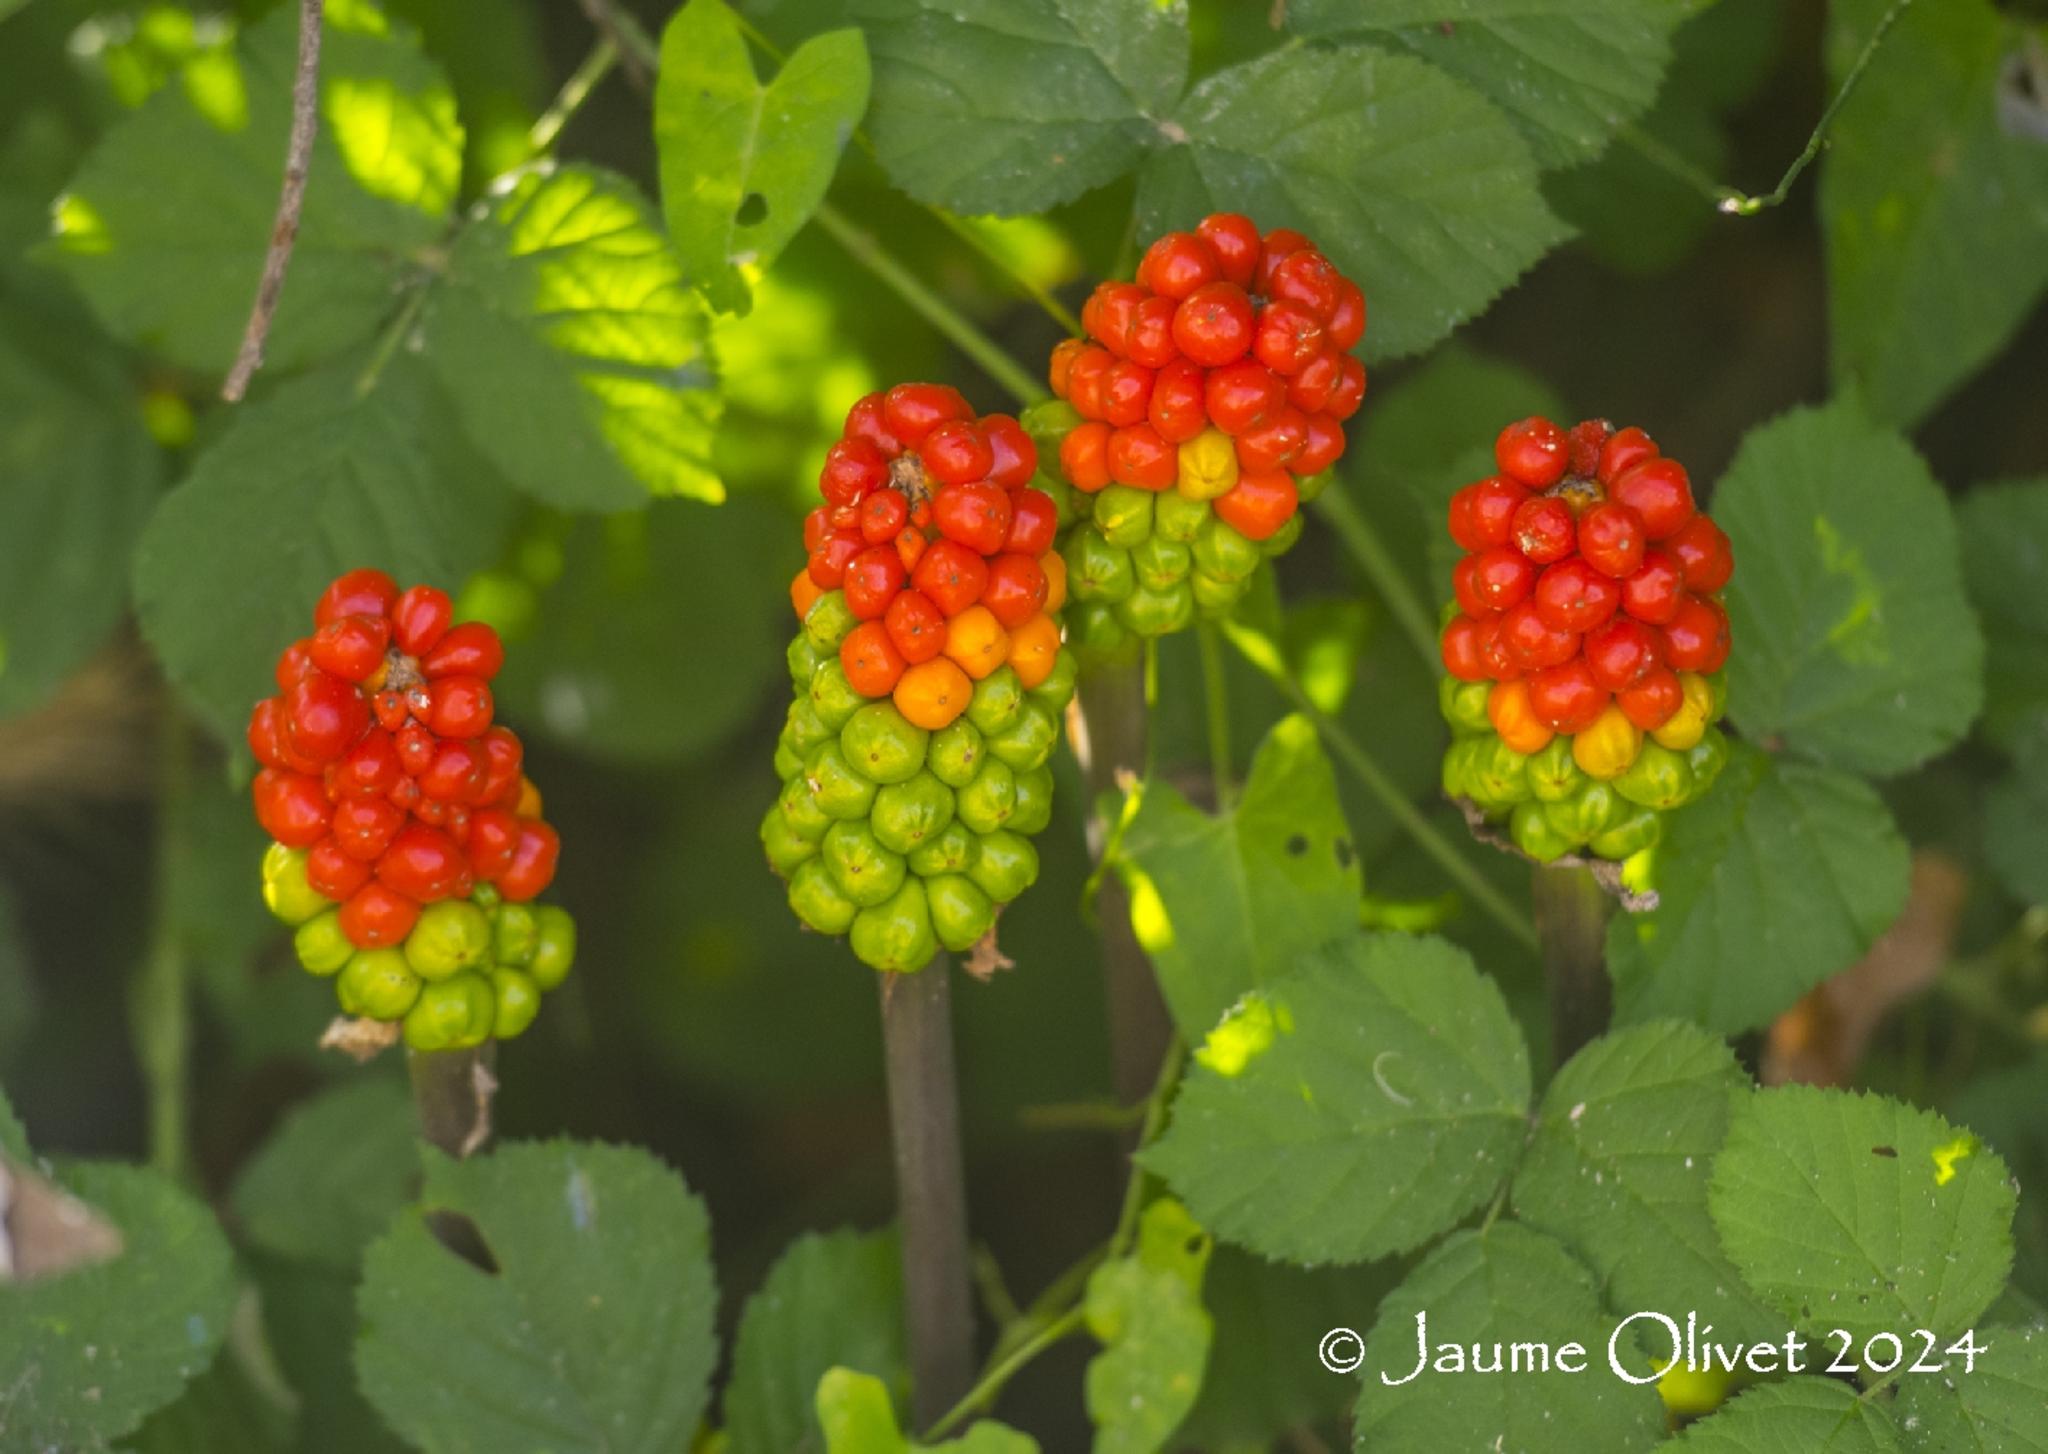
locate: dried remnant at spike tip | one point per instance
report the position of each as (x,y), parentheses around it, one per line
(1585,647)
(1206,403)
(409,842)
(930,676)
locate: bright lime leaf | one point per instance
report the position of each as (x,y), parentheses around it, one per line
(175,268)
(829,1300)
(1354,1108)
(1857,1212)
(1505,1285)
(1933,211)
(1807,1415)
(302,485)
(78,477)
(855,1412)
(1418,188)
(1777,878)
(1225,904)
(1617,1170)
(593,1334)
(2005,561)
(1568,71)
(627,582)
(332,1176)
(573,348)
(92,1352)
(1995,1409)
(1011,106)
(1146,1309)
(744,165)
(1853,639)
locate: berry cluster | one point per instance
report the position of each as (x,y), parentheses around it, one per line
(408,839)
(929,677)
(1586,643)
(1205,404)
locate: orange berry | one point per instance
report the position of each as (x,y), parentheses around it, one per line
(1055,566)
(870,659)
(1034,647)
(529,800)
(1507,705)
(977,641)
(803,591)
(932,693)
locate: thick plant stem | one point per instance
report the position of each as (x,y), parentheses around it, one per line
(1571,922)
(931,1188)
(452,1092)
(159,1004)
(1112,748)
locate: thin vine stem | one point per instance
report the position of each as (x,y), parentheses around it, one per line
(603,57)
(1362,540)
(1374,779)
(1216,708)
(991,1383)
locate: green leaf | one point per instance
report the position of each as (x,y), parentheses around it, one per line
(13,1139)
(223,1408)
(1856,1212)
(1993,1409)
(1146,1310)
(855,1412)
(1013,106)
(572,347)
(302,485)
(2005,561)
(594,1332)
(1417,187)
(1225,904)
(333,1175)
(175,268)
(1356,1107)
(1503,1285)
(90,1353)
(732,148)
(1568,71)
(1933,211)
(1853,639)
(1799,1416)
(1777,878)
(1617,1170)
(78,476)
(829,1300)
(2016,824)
(309,1322)
(627,582)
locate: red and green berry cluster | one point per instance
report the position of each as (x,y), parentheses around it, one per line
(1585,646)
(1206,403)
(929,677)
(408,839)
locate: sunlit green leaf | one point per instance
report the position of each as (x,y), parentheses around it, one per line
(857,1416)
(1812,1415)
(1146,1309)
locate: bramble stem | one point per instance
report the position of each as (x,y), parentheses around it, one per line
(1216,706)
(1571,921)
(452,1091)
(1357,535)
(931,1189)
(284,231)
(159,1007)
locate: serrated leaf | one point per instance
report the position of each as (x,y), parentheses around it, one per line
(1781,875)
(90,1353)
(1353,1108)
(1503,1285)
(1013,106)
(331,1177)
(593,1334)
(1225,904)
(1853,639)
(572,347)
(1414,185)
(78,477)
(1932,209)
(1568,71)
(732,148)
(1856,1212)
(858,1418)
(832,1300)
(1617,1170)
(175,268)
(1798,1416)
(1994,1408)
(304,484)
(1146,1309)
(2005,561)
(582,675)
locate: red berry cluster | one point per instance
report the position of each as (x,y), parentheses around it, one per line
(380,759)
(1590,575)
(1223,329)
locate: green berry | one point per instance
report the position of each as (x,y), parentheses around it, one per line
(1123,513)
(1158,613)
(1176,518)
(1223,552)
(832,696)
(785,850)
(883,744)
(1310,486)
(1658,778)
(377,983)
(1498,776)
(896,935)
(1058,687)
(788,761)
(1161,564)
(815,898)
(1092,628)
(986,803)
(800,810)
(865,871)
(952,850)
(839,789)
(956,753)
(1639,830)
(1592,810)
(1006,866)
(554,946)
(1463,705)
(908,814)
(961,912)
(804,660)
(1706,758)
(515,930)
(1097,570)
(516,1000)
(1034,803)
(1282,540)
(286,892)
(1028,742)
(828,621)
(1213,595)
(321,946)
(1553,776)
(450,936)
(998,698)
(806,728)
(453,1014)
(1535,835)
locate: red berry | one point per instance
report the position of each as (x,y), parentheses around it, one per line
(1307,278)
(1660,492)
(1534,451)
(1532,643)
(457,773)
(1017,589)
(1483,514)
(266,732)
(332,873)
(1567,698)
(459,706)
(1493,580)
(1084,380)
(1651,702)
(363,827)
(952,575)
(1620,651)
(1138,456)
(1583,442)
(423,863)
(292,807)
(1703,554)
(916,627)
(1258,504)
(1034,522)
(357,593)
(1572,596)
(1176,408)
(351,647)
(828,563)
(1697,637)
(1653,592)
(1611,539)
(369,770)
(533,862)
(491,841)
(1013,458)
(853,467)
(324,717)
(1279,245)
(883,514)
(1177,264)
(1350,390)
(1464,649)
(1273,444)
(1243,396)
(376,915)
(416,748)
(955,453)
(1151,341)
(1213,325)
(864,421)
(911,411)
(471,649)
(1084,457)
(976,515)
(1347,317)
(503,757)
(1287,337)
(1126,393)
(1110,312)
(405,794)
(1499,664)
(1310,389)
(419,619)
(1234,242)
(1544,529)
(1323,447)
(872,580)
(294,664)
(1622,452)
